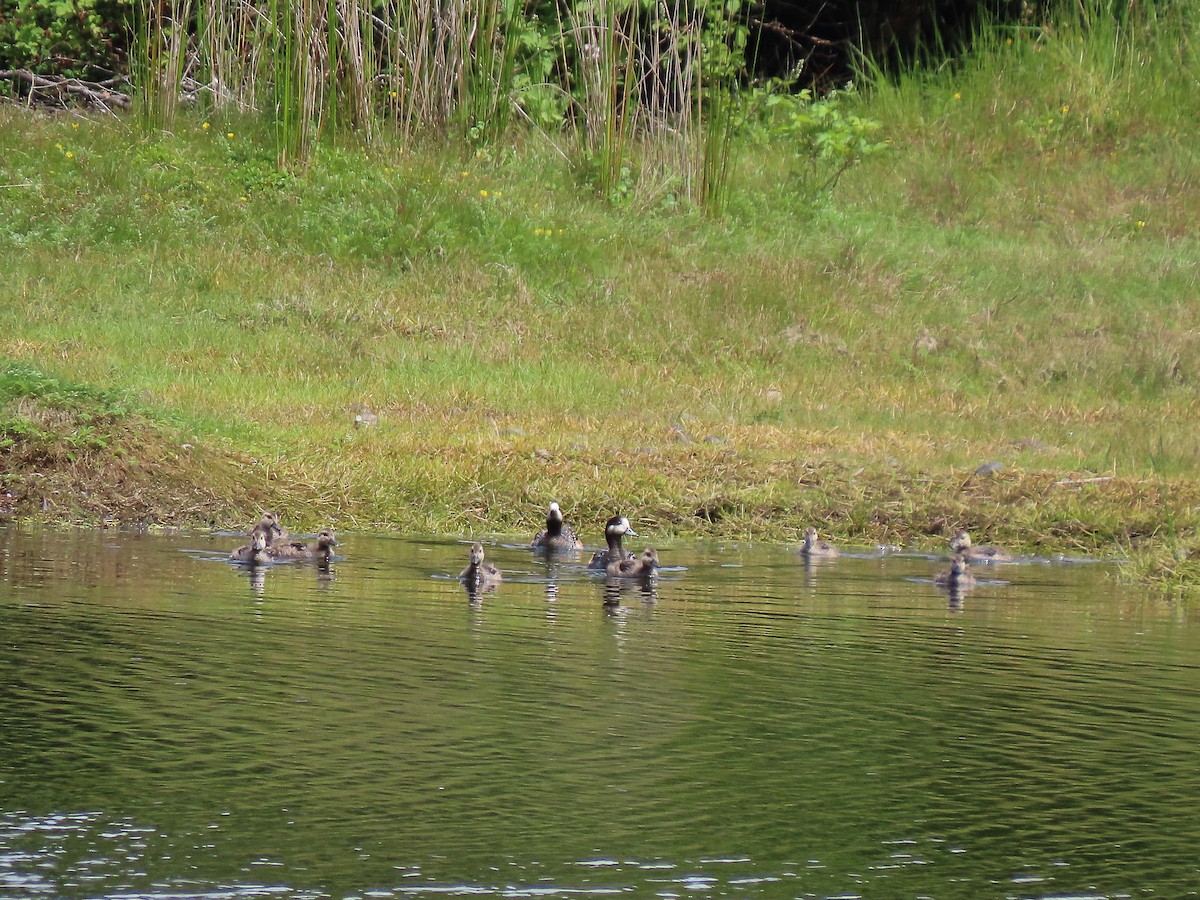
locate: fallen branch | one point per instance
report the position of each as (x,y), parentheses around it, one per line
(93,92)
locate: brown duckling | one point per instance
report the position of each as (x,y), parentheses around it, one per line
(479,572)
(269,526)
(958,576)
(255,552)
(961,543)
(614,531)
(557,536)
(644,567)
(320,550)
(815,546)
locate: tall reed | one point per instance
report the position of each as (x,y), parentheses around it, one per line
(233,48)
(655,76)
(158,58)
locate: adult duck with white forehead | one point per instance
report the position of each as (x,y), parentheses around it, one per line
(614,533)
(557,536)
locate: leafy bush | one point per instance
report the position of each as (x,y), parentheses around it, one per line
(824,135)
(82,38)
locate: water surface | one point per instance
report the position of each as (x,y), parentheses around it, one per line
(172,726)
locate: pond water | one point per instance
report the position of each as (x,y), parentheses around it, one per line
(174,727)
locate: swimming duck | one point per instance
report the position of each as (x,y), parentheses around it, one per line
(958,576)
(479,572)
(644,567)
(255,552)
(815,546)
(614,531)
(557,535)
(321,550)
(961,543)
(269,526)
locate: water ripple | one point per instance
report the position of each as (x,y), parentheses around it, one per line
(173,727)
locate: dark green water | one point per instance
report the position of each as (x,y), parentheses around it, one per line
(170,728)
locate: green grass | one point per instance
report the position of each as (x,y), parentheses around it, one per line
(1013,280)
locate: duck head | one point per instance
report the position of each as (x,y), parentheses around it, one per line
(619,526)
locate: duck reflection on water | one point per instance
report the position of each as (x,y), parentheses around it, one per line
(616,588)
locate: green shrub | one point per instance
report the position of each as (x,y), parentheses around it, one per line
(82,38)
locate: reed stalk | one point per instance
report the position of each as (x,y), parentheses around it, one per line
(160,46)
(603,36)
(638,76)
(233,50)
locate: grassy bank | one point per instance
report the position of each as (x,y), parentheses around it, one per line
(1013,281)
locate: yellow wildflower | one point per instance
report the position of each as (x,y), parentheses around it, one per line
(483,193)
(539,231)
(74,124)
(70,155)
(957,95)
(229,134)
(58,146)
(1066,108)
(1141,223)
(205,126)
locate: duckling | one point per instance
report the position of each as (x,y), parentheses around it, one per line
(479,572)
(815,546)
(557,535)
(255,552)
(644,567)
(961,543)
(269,525)
(958,576)
(614,531)
(321,550)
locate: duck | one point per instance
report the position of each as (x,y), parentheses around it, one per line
(479,572)
(961,543)
(815,546)
(615,530)
(255,552)
(958,576)
(644,567)
(321,550)
(557,536)
(269,525)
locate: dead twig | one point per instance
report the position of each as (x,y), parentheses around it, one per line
(93,92)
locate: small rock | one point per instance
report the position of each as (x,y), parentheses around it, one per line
(990,468)
(542,455)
